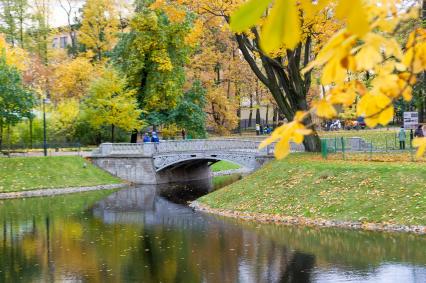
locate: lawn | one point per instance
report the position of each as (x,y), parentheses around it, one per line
(306,186)
(381,139)
(29,173)
(224,166)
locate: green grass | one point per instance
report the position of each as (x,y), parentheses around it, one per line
(306,186)
(381,138)
(30,173)
(223,166)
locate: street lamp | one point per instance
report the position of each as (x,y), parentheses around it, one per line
(45,101)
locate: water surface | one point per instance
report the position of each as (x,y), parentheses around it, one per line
(147,234)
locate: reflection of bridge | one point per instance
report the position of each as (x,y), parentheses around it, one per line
(169,161)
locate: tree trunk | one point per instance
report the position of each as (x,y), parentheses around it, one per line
(251,110)
(257,104)
(8,139)
(134,136)
(31,132)
(112,132)
(275,117)
(1,133)
(267,115)
(281,75)
(258,116)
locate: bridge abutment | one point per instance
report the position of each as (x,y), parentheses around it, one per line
(175,161)
(141,170)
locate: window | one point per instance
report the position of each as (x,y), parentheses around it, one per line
(63,42)
(55,43)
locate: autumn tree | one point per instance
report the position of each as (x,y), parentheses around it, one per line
(278,71)
(99,27)
(111,103)
(15,100)
(365,43)
(218,64)
(71,78)
(153,56)
(190,113)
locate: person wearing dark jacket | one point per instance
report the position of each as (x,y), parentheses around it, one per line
(419,132)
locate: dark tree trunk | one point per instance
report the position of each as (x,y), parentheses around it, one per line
(275,117)
(134,136)
(281,75)
(257,104)
(1,133)
(112,132)
(31,132)
(251,110)
(258,116)
(267,115)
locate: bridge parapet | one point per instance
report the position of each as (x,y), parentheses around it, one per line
(150,149)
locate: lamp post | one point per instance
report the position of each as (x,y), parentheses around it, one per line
(45,101)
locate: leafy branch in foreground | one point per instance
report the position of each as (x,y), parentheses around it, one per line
(365,44)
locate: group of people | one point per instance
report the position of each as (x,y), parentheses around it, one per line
(151,138)
(413,134)
(263,130)
(334,125)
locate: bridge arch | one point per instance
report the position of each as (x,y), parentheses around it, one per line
(166,162)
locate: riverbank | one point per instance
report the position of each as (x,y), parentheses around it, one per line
(304,189)
(22,174)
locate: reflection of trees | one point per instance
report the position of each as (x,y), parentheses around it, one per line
(175,245)
(299,268)
(347,248)
(15,264)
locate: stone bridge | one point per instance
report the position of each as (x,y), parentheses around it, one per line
(173,161)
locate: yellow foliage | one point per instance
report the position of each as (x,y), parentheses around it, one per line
(15,56)
(366,44)
(71,78)
(421,144)
(325,109)
(293,131)
(99,26)
(110,103)
(64,117)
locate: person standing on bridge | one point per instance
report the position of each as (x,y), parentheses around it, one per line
(183,134)
(146,138)
(155,138)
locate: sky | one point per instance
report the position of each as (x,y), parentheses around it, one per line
(58,15)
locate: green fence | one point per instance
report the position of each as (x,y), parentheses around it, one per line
(382,145)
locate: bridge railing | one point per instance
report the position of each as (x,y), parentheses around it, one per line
(181,146)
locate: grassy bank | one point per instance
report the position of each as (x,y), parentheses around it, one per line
(20,174)
(224,166)
(306,186)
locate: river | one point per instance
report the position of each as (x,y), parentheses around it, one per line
(148,234)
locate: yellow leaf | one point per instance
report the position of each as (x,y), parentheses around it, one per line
(386,116)
(367,57)
(248,15)
(355,14)
(282,27)
(325,109)
(282,148)
(407,94)
(333,71)
(421,144)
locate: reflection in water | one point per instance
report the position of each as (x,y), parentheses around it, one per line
(138,235)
